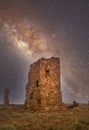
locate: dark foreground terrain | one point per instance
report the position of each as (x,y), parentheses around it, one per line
(18,118)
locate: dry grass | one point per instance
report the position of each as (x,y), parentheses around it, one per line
(12,118)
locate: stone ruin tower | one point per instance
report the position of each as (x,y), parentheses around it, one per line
(43,92)
(6,96)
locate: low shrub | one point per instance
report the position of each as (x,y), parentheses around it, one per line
(7,127)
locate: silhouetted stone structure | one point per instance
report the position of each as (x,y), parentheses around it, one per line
(43,91)
(75,104)
(6,96)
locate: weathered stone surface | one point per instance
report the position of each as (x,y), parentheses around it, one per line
(6,96)
(43,92)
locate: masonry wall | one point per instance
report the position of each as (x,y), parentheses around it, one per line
(6,96)
(32,91)
(43,92)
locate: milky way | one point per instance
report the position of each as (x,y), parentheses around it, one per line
(43,28)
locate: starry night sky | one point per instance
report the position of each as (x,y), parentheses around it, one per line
(31,29)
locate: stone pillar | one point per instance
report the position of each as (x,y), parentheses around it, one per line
(6,96)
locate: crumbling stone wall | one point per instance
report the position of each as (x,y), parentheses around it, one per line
(6,96)
(43,92)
